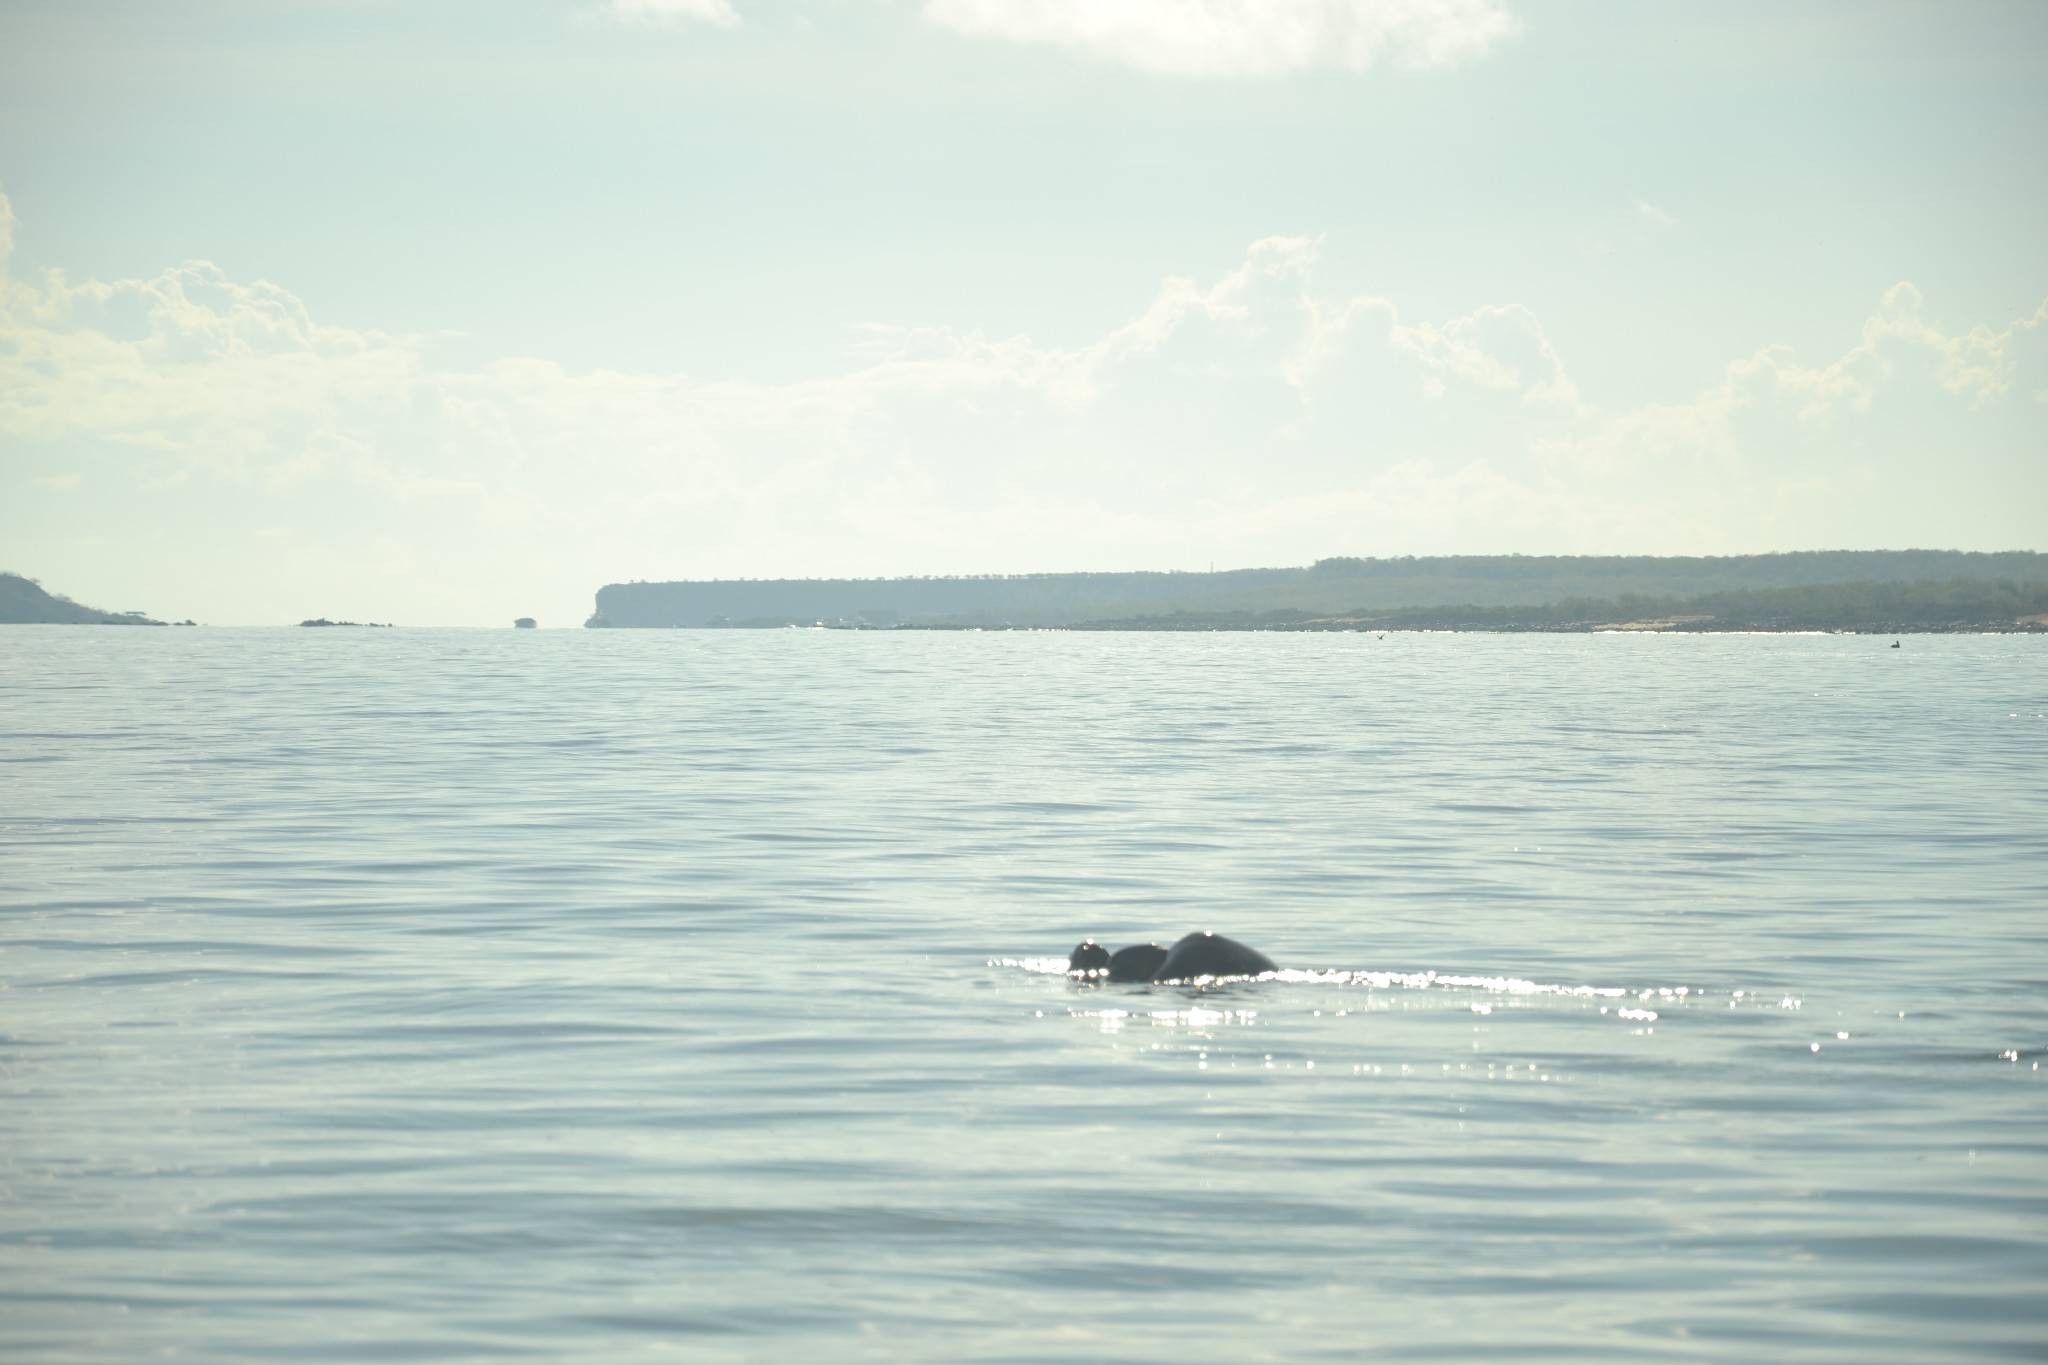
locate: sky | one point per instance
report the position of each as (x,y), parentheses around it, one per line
(450,311)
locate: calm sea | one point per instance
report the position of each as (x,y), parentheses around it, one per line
(447,995)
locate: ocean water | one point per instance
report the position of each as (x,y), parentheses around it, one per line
(451,995)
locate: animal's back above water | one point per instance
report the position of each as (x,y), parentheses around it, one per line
(1212,955)
(1197,955)
(1139,962)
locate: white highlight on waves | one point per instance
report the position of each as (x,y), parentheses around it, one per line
(1500,985)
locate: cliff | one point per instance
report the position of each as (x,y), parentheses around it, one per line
(1354,587)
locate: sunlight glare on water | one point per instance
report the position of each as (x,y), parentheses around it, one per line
(455,995)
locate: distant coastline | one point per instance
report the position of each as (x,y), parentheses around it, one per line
(1952,607)
(1876,592)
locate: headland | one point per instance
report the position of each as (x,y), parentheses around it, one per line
(24,601)
(1876,591)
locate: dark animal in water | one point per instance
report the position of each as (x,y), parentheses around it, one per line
(1139,962)
(1196,955)
(1212,955)
(1088,959)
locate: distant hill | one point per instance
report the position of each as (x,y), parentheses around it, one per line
(23,602)
(1926,605)
(1330,587)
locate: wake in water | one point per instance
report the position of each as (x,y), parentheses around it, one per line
(1199,1017)
(1057,966)
(1644,1011)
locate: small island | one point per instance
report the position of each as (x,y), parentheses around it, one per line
(525,623)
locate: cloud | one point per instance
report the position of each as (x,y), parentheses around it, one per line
(1249,417)
(1651,214)
(1242,38)
(718,13)
(190,361)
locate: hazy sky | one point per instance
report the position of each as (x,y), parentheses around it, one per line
(447,311)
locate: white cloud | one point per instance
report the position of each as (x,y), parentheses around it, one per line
(716,12)
(1249,418)
(1242,37)
(1650,213)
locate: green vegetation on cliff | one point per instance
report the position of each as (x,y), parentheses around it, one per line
(1487,591)
(1942,605)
